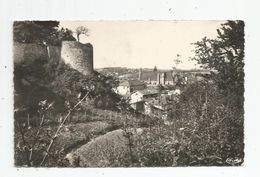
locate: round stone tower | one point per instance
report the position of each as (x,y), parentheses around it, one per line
(78,56)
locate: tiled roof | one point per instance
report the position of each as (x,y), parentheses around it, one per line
(148,92)
(131,83)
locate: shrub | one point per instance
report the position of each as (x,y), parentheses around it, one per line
(212,132)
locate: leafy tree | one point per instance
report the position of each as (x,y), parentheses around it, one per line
(177,79)
(81,30)
(41,32)
(177,60)
(34,31)
(225,54)
(64,34)
(212,132)
(218,111)
(69,83)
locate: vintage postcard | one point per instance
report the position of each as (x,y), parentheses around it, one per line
(128,93)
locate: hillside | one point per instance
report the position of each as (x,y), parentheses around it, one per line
(45,91)
(68,115)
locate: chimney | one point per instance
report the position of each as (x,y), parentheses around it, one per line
(158,78)
(140,74)
(149,80)
(163,78)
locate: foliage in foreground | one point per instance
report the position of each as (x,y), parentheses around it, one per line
(204,131)
(225,54)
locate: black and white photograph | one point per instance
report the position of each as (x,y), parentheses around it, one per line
(128,93)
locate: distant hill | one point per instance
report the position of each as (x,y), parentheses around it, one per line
(147,73)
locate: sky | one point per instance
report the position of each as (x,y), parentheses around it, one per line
(144,44)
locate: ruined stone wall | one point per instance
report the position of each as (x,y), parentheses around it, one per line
(31,51)
(78,56)
(54,52)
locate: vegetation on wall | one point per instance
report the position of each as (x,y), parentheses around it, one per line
(81,30)
(41,32)
(65,82)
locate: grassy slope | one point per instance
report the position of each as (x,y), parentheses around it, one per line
(101,151)
(71,136)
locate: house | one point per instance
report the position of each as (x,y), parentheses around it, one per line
(176,91)
(147,108)
(151,102)
(141,95)
(126,87)
(138,98)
